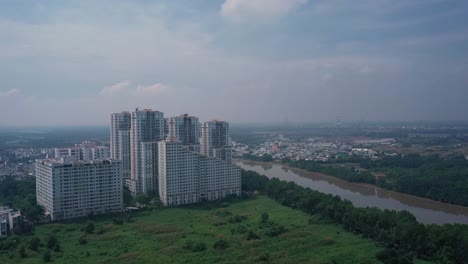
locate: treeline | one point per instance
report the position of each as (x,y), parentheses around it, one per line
(443,179)
(345,173)
(403,237)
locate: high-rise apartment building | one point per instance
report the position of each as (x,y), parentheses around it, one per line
(67,188)
(186,129)
(147,128)
(120,141)
(187,177)
(215,140)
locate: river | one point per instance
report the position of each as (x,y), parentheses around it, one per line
(365,195)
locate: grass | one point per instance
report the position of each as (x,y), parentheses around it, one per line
(161,235)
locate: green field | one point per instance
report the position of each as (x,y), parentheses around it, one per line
(161,235)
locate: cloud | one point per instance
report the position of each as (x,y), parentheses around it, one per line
(9,93)
(242,10)
(115,88)
(150,90)
(126,87)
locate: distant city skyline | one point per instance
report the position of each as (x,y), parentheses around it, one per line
(247,61)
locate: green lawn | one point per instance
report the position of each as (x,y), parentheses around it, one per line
(159,236)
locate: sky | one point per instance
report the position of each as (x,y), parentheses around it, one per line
(245,61)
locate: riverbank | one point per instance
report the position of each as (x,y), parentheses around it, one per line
(362,195)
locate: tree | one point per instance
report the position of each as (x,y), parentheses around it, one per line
(127,196)
(142,199)
(34,243)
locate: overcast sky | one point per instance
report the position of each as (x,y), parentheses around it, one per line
(75,62)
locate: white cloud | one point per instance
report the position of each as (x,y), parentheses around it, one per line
(9,93)
(126,88)
(242,10)
(150,90)
(115,88)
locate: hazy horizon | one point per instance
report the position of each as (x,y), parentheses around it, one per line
(245,61)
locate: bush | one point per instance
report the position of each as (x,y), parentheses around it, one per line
(275,230)
(117,221)
(264,218)
(82,240)
(194,247)
(22,252)
(51,240)
(34,243)
(47,257)
(252,236)
(57,247)
(89,228)
(221,244)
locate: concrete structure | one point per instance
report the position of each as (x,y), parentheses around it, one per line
(120,141)
(147,127)
(69,189)
(83,151)
(186,129)
(187,177)
(215,140)
(10,221)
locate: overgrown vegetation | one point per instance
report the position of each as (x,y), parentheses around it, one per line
(255,230)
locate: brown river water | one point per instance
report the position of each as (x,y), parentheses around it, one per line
(364,195)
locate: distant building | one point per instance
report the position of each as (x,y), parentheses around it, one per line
(186,129)
(187,177)
(68,188)
(120,141)
(215,140)
(10,221)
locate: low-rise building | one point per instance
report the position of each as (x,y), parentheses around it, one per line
(10,221)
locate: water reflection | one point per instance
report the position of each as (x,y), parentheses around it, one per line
(362,195)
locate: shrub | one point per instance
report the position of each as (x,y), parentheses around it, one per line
(221,244)
(46,257)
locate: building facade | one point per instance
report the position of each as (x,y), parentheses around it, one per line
(215,140)
(69,189)
(147,127)
(186,129)
(187,177)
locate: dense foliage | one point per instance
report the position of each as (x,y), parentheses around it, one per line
(345,173)
(398,231)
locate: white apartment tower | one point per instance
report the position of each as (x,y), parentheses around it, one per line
(187,177)
(215,140)
(120,141)
(69,189)
(186,129)
(147,128)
